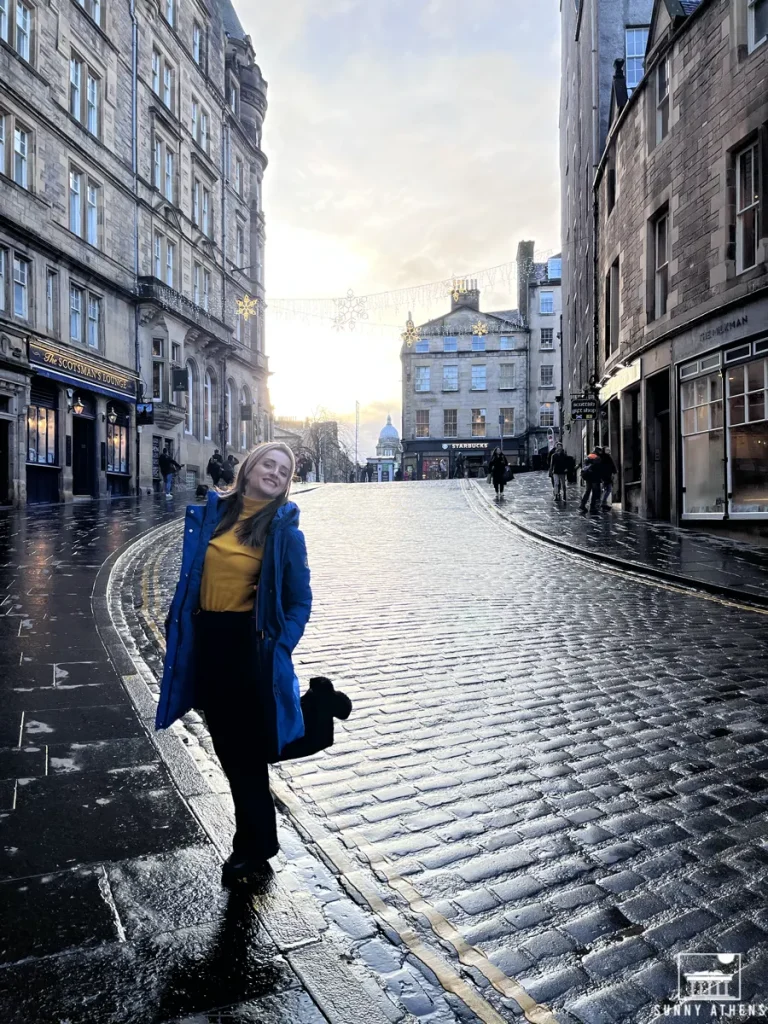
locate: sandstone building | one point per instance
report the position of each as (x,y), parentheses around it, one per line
(472,379)
(682,267)
(130,223)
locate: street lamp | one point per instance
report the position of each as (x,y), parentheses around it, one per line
(78,406)
(112,416)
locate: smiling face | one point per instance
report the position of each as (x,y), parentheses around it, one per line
(269,477)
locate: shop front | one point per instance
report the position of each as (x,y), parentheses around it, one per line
(79,426)
(442,460)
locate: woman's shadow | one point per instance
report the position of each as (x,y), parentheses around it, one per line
(242,963)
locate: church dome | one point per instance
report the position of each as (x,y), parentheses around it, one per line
(389,433)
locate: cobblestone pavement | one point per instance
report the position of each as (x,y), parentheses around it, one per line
(706,558)
(560,767)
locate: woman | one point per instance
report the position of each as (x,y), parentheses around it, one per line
(240,607)
(497,467)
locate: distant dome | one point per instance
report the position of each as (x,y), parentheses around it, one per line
(389,433)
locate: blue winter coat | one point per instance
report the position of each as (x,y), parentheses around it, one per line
(284,605)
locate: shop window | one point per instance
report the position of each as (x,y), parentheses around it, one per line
(450,378)
(478,423)
(450,344)
(422,423)
(450,422)
(117,441)
(747,207)
(41,435)
(701,406)
(748,437)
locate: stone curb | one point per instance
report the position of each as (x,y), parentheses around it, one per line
(336,988)
(754,601)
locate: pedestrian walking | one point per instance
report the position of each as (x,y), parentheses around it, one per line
(243,593)
(608,467)
(592,475)
(213,469)
(558,469)
(497,468)
(168,467)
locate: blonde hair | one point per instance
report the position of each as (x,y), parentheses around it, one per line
(253,531)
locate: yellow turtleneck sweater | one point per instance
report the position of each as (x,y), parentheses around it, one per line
(231,570)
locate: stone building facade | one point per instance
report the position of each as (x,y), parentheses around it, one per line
(594,34)
(683,268)
(474,380)
(130,183)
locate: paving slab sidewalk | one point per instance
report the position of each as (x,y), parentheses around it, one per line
(721,565)
(111,908)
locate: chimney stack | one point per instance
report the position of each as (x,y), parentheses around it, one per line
(465,293)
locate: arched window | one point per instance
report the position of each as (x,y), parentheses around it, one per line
(245,424)
(230,411)
(209,404)
(192,381)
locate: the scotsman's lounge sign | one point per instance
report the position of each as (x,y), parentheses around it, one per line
(79,370)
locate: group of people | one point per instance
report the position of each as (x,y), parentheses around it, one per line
(221,470)
(597,472)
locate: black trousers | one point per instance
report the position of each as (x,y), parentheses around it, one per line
(228,693)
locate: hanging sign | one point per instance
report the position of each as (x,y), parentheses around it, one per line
(584,407)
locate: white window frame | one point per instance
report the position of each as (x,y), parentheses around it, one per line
(508,412)
(164,80)
(450,344)
(22,29)
(205,223)
(169,175)
(3,277)
(76,292)
(189,417)
(547,375)
(207,406)
(632,55)
(507,376)
(92,8)
(240,246)
(546,298)
(745,209)
(479,371)
(478,428)
(663,99)
(239,176)
(245,399)
(422,429)
(85,94)
(450,376)
(547,409)
(85,204)
(93,333)
(547,339)
(22,281)
(753,41)
(169,12)
(22,145)
(197,44)
(422,376)
(51,301)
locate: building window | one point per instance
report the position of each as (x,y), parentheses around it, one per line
(158,368)
(240,246)
(546,303)
(41,433)
(84,218)
(189,421)
(610,181)
(547,337)
(75,202)
(94,321)
(758,22)
(422,378)
(170,263)
(660,265)
(117,445)
(450,378)
(478,423)
(662,100)
(22,141)
(197,44)
(168,10)
(164,169)
(636,43)
(478,378)
(509,421)
(163,79)
(506,376)
(92,8)
(612,289)
(450,345)
(554,268)
(164,259)
(701,403)
(84,103)
(478,343)
(422,345)
(239,176)
(450,422)
(547,415)
(506,344)
(196,193)
(747,207)
(168,190)
(76,313)
(200,122)
(51,301)
(208,406)
(748,437)
(205,224)
(546,376)
(233,97)
(422,423)
(16,26)
(3,274)
(21,278)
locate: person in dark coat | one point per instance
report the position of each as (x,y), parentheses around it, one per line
(167,466)
(592,475)
(213,469)
(558,467)
(243,593)
(608,468)
(497,467)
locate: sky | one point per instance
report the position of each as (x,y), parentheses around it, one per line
(409,141)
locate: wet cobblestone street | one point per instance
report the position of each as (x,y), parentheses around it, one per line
(560,766)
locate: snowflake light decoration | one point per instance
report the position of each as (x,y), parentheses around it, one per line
(479,328)
(246,307)
(410,334)
(349,310)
